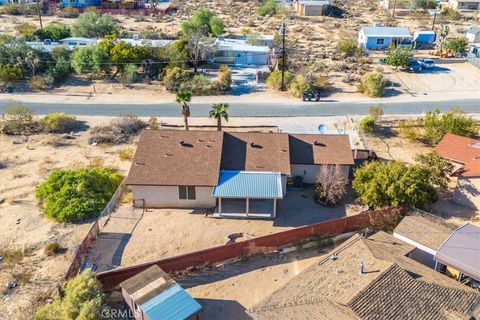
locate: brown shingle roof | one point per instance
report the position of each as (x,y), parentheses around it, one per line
(424,231)
(462,150)
(256,151)
(161,159)
(392,287)
(177,157)
(320,149)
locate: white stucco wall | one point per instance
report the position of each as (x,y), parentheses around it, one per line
(467,192)
(309,172)
(167,197)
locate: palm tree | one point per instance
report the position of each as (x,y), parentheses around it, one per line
(219,111)
(184,96)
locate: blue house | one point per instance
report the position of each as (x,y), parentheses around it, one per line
(153,295)
(80,3)
(378,37)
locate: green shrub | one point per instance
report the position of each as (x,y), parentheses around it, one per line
(129,74)
(93,25)
(367,124)
(457,45)
(60,70)
(299,85)
(268,7)
(224,78)
(26,30)
(82,300)
(450,13)
(12,9)
(373,84)
(274,80)
(74,195)
(399,56)
(153,123)
(40,82)
(60,52)
(127,153)
(199,85)
(408,129)
(349,47)
(394,183)
(18,119)
(175,77)
(375,111)
(436,125)
(89,59)
(10,73)
(59,122)
(54,31)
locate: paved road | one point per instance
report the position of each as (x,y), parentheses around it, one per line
(254,109)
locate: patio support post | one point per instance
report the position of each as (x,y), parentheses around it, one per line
(220,206)
(247,207)
(274,208)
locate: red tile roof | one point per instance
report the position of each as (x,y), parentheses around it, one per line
(462,150)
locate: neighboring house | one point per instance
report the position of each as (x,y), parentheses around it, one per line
(153,294)
(459,255)
(426,234)
(378,37)
(467,5)
(80,3)
(473,35)
(312,7)
(424,39)
(237,51)
(465,153)
(370,279)
(239,173)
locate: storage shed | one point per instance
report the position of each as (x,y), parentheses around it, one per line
(312,7)
(154,295)
(424,39)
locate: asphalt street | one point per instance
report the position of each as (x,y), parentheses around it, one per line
(253,109)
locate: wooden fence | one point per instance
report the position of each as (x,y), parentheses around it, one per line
(207,257)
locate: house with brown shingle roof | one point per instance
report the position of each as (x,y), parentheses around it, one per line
(239,174)
(465,152)
(370,278)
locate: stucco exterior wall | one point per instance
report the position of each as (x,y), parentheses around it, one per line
(168,197)
(465,5)
(467,192)
(310,10)
(309,172)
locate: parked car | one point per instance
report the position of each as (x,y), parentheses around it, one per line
(310,96)
(427,64)
(414,66)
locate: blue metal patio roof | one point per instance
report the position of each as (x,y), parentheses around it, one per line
(249,184)
(172,304)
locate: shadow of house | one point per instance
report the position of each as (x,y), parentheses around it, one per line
(108,250)
(215,309)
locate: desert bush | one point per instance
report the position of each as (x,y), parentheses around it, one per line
(11,9)
(224,78)
(436,125)
(450,13)
(373,84)
(93,25)
(89,59)
(52,249)
(331,185)
(55,31)
(268,7)
(129,74)
(375,111)
(18,120)
(69,12)
(60,70)
(199,85)
(349,47)
(59,122)
(127,153)
(82,300)
(117,131)
(60,52)
(394,183)
(74,195)
(10,73)
(175,77)
(408,129)
(26,30)
(367,124)
(299,85)
(274,80)
(12,255)
(457,45)
(423,4)
(153,123)
(40,82)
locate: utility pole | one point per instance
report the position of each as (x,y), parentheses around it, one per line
(434,19)
(283,31)
(39,14)
(394,7)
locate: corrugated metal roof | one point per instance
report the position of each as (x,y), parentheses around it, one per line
(172,304)
(462,251)
(249,184)
(387,32)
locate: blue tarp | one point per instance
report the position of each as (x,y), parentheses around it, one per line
(172,304)
(249,184)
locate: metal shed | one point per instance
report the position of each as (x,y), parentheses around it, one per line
(460,253)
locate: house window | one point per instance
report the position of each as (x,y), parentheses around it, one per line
(380,41)
(186,193)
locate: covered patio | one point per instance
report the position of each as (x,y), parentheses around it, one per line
(247,194)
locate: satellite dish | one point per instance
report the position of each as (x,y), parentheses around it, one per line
(322,128)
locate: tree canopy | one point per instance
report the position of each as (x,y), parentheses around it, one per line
(394,183)
(94,25)
(437,125)
(399,56)
(89,59)
(205,21)
(72,195)
(457,45)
